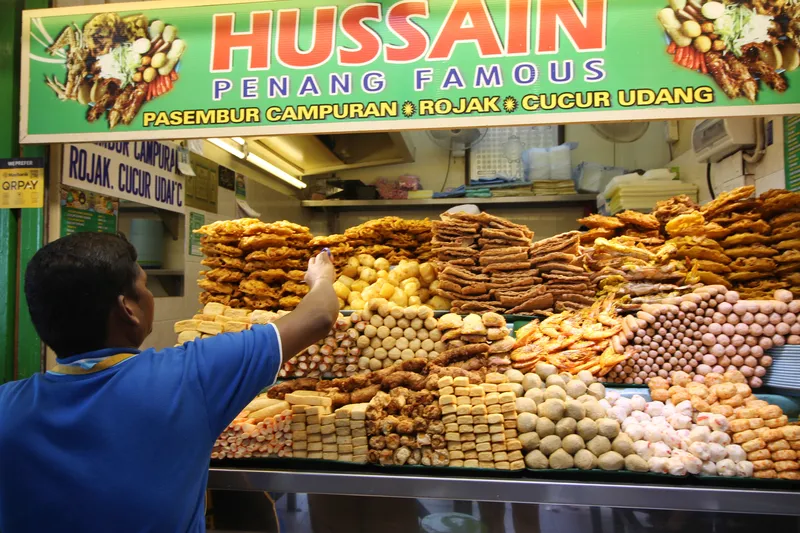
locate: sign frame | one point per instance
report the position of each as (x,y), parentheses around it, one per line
(389,125)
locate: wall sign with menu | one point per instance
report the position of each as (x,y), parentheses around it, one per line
(87,211)
(143,172)
(206,69)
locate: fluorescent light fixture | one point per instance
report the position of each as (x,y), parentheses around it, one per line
(234,151)
(239,140)
(275,171)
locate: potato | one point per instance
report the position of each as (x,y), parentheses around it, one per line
(575,388)
(555,392)
(597,390)
(537,395)
(587,429)
(439,303)
(530,440)
(382,274)
(575,409)
(551,409)
(399,298)
(341,290)
(599,445)
(366,260)
(536,460)
(623,445)
(427,273)
(550,444)
(608,428)
(526,422)
(566,426)
(585,460)
(525,405)
(691,28)
(594,410)
(358,304)
(545,427)
(532,381)
(359,285)
(346,281)
(543,370)
(556,380)
(381,264)
(572,444)
(610,461)
(561,460)
(634,463)
(414,301)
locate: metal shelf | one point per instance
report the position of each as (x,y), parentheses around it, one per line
(533,201)
(547,492)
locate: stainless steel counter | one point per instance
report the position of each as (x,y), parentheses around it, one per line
(548,492)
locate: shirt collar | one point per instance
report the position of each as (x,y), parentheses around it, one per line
(97,354)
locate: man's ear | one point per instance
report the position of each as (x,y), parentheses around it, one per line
(126,309)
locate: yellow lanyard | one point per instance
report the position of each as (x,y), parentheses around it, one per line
(108,362)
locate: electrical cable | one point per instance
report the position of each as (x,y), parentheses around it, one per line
(708,180)
(447,174)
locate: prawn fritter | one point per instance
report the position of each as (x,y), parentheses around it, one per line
(747,276)
(588,237)
(253,266)
(225,275)
(256,287)
(753,250)
(750,226)
(791,244)
(295,288)
(290,302)
(269,276)
(793,279)
(677,205)
(693,240)
(213,250)
(296,275)
(596,221)
(207,298)
(792,231)
(262,241)
(700,252)
(709,278)
(727,198)
(779,200)
(787,268)
(215,286)
(634,218)
(328,240)
(754,264)
(686,224)
(220,239)
(743,239)
(227,227)
(274,254)
(256,302)
(785,219)
(615,247)
(789,256)
(711,266)
(223,261)
(737,216)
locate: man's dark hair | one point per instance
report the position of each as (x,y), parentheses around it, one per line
(71,286)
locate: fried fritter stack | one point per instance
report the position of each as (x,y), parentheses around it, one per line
(271,274)
(392,238)
(337,244)
(475,343)
(485,264)
(566,282)
(782,208)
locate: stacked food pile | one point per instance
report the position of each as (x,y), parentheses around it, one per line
(392,238)
(706,331)
(271,274)
(390,333)
(563,425)
(480,422)
(311,413)
(217,318)
(410,283)
(571,341)
(782,209)
(566,282)
(337,245)
(631,272)
(675,439)
(262,429)
(475,342)
(486,265)
(336,355)
(351,433)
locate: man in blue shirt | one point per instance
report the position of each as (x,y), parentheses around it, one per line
(117,440)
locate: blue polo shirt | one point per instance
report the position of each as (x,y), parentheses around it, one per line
(126,449)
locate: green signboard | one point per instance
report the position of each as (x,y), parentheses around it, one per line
(196,221)
(87,211)
(252,68)
(791,152)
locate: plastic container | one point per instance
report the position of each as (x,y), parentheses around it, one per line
(147,236)
(593,177)
(561,162)
(537,164)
